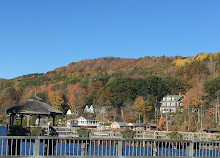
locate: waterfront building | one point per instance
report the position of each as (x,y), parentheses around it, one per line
(72,123)
(87,122)
(118,125)
(135,126)
(150,126)
(83,122)
(212,130)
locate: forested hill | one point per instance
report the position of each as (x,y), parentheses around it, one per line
(116,82)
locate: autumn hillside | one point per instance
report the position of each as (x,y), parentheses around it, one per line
(113,84)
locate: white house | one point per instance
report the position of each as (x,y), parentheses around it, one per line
(89,109)
(72,123)
(68,112)
(87,122)
(171,103)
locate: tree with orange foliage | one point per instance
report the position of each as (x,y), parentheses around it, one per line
(76,94)
(162,124)
(129,117)
(195,99)
(95,85)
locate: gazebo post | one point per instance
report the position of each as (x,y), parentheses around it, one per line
(46,120)
(39,116)
(21,116)
(9,119)
(28,120)
(53,120)
(12,121)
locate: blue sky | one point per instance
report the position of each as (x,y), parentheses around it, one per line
(37,36)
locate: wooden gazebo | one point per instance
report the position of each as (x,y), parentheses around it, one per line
(33,106)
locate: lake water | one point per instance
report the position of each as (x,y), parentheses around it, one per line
(3,130)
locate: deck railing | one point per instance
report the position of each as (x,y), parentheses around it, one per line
(141,134)
(23,146)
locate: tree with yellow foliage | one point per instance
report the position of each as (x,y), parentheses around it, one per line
(140,106)
(56,99)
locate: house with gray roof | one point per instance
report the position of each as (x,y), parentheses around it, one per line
(150,126)
(135,126)
(171,104)
(87,122)
(118,125)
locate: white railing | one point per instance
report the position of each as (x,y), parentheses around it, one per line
(87,124)
(23,146)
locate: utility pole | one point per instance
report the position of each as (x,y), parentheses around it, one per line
(188,118)
(216,114)
(201,118)
(218,107)
(155,109)
(139,115)
(166,120)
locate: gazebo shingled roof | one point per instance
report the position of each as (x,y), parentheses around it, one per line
(34,106)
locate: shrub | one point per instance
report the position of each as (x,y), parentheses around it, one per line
(37,131)
(83,132)
(127,133)
(218,137)
(17,130)
(174,136)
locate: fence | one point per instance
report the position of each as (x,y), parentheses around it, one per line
(22,146)
(141,134)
